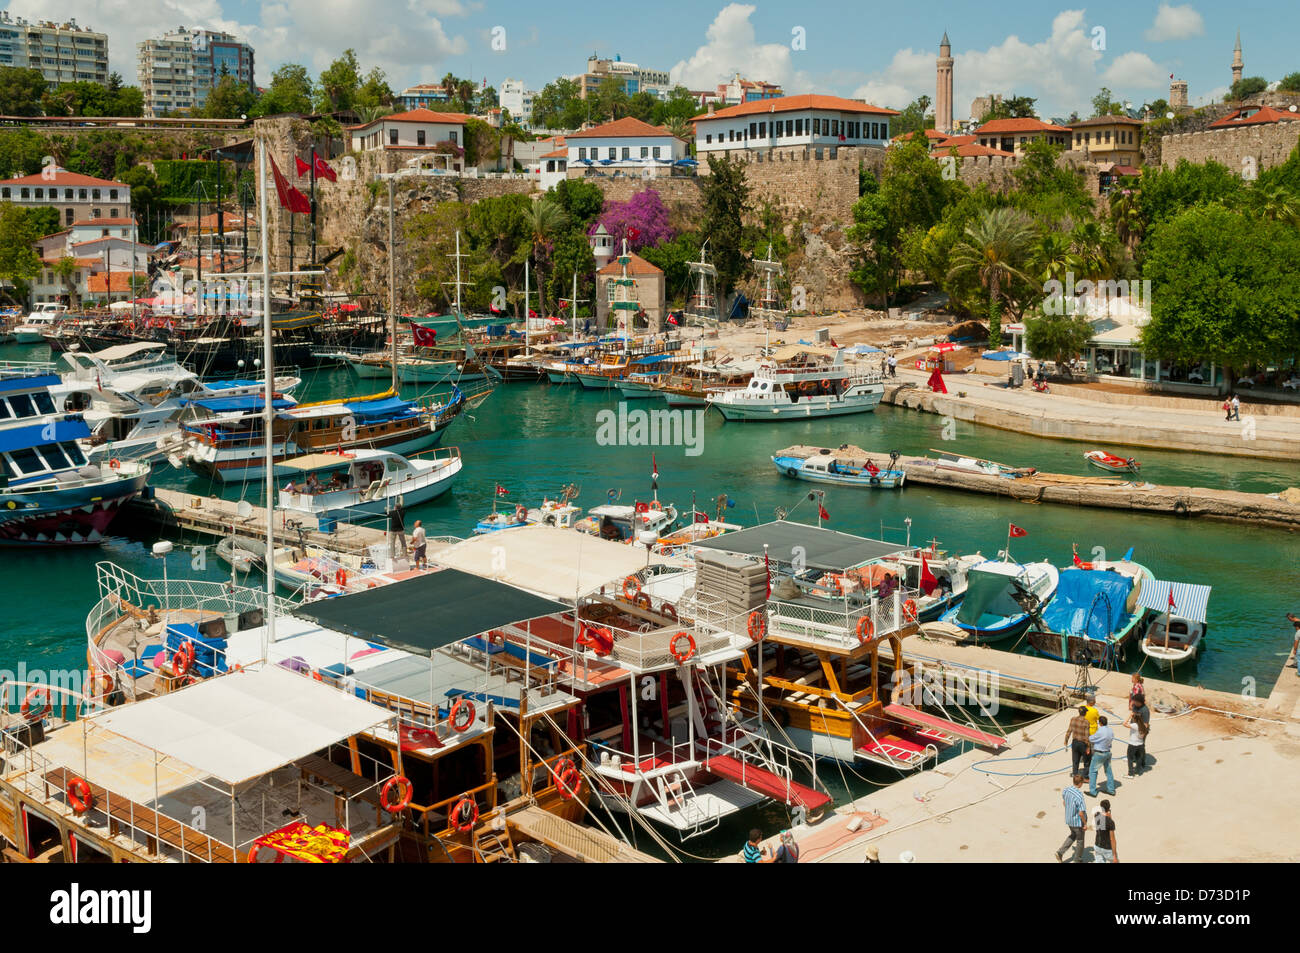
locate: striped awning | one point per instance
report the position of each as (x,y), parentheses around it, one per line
(1190,600)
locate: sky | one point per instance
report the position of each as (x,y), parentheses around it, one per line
(1059,54)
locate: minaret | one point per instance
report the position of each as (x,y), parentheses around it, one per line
(1237,64)
(943,90)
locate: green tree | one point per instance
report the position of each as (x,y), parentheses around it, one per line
(1103,105)
(228,99)
(611,100)
(572,255)
(1057,337)
(127,101)
(643,106)
(1246,86)
(76,99)
(913,117)
(1290,83)
(680,105)
(1224,288)
(558,106)
(1013,107)
(1126,212)
(1167,192)
(337,88)
(995,248)
(291,91)
(725,197)
(1159,108)
(1039,177)
(65,269)
(21,90)
(673,258)
(374,92)
(21,151)
(582,201)
(18,261)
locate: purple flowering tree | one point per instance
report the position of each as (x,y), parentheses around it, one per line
(642,220)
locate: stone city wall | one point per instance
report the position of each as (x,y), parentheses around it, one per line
(1264,146)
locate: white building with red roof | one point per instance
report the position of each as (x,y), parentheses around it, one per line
(416,130)
(627,146)
(75,197)
(793,121)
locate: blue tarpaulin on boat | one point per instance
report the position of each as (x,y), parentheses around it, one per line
(379,408)
(227,384)
(1089,602)
(34,435)
(652,359)
(223,405)
(209,653)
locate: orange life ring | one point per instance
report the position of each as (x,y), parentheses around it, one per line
(909,610)
(521,512)
(690,649)
(80,798)
(496,637)
(598,638)
(866,629)
(463,705)
(634,584)
(316,676)
(252,854)
(464,815)
(757,627)
(654,505)
(102,679)
(642,600)
(826,384)
(115,463)
(404,800)
(568,779)
(341,577)
(668,609)
(183,658)
(806,386)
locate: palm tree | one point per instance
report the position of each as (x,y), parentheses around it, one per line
(1050,257)
(544,220)
(1126,214)
(465,93)
(994,248)
(1276,203)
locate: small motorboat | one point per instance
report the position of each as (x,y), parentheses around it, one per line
(244,555)
(1178,626)
(829,469)
(997,592)
(1108,461)
(505,519)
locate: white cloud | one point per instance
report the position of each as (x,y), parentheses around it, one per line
(1061,71)
(1175,23)
(732,47)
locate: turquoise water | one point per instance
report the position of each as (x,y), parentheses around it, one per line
(534,438)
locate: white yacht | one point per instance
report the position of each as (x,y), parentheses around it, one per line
(802,388)
(333,485)
(39,321)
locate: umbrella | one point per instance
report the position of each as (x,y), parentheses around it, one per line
(945,347)
(121,306)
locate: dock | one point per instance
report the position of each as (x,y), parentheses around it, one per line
(214,517)
(1100,492)
(582,844)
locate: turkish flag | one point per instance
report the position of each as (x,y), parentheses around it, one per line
(564,304)
(701,517)
(290,197)
(872,468)
(413,739)
(501,491)
(301,166)
(821,512)
(928,581)
(1171,599)
(1015,530)
(532,313)
(424,337)
(324,171)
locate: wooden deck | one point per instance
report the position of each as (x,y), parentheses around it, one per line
(585,844)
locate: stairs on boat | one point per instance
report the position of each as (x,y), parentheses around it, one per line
(765,782)
(494,846)
(932,725)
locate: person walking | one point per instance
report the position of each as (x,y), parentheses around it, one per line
(1076,819)
(1227,409)
(397,526)
(893,366)
(1105,848)
(1138,723)
(1092,714)
(1101,740)
(1137,689)
(1236,407)
(1076,736)
(1295,643)
(418,545)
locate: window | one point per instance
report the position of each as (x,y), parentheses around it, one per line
(73,453)
(732,132)
(112,195)
(22,405)
(81,195)
(613,153)
(582,152)
(817,127)
(27,460)
(798,127)
(96,196)
(708,138)
(40,193)
(419,137)
(835,127)
(27,193)
(656,151)
(627,152)
(53,456)
(67,216)
(112,213)
(392,137)
(645,151)
(1108,137)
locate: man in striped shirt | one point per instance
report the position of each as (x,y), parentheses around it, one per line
(1076,819)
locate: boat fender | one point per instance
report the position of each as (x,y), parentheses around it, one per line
(568,779)
(341,578)
(601,640)
(1180,508)
(909,610)
(866,629)
(668,609)
(464,815)
(183,659)
(874,481)
(757,627)
(462,714)
(80,798)
(631,586)
(641,600)
(521,512)
(680,654)
(404,798)
(39,693)
(612,495)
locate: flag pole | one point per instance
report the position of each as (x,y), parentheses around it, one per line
(313,204)
(268,353)
(1006,553)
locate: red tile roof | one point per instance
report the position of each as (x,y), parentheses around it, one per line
(625,128)
(797,103)
(1252,116)
(1106,121)
(929,134)
(967,150)
(557,154)
(81,262)
(635,266)
(1019,125)
(418,115)
(64,177)
(121,282)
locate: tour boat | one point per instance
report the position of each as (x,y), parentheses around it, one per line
(331,486)
(949,574)
(1096,611)
(829,469)
(51,494)
(1178,623)
(992,610)
(629,523)
(801,390)
(42,319)
(1108,461)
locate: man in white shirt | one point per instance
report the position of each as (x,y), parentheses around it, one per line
(418,547)
(1101,740)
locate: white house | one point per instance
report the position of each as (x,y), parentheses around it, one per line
(627,146)
(518,100)
(552,168)
(793,121)
(75,197)
(417,129)
(90,229)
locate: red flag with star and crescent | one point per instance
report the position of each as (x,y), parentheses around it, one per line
(324,170)
(290,197)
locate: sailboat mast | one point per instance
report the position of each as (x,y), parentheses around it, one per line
(392,287)
(573,303)
(458,276)
(268,412)
(528,341)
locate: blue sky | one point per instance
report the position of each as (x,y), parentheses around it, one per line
(883,52)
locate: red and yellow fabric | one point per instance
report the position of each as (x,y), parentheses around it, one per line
(321,844)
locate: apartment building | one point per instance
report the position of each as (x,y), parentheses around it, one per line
(178,70)
(63,52)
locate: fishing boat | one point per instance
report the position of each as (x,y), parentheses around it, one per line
(629,524)
(808,386)
(640,385)
(944,460)
(997,592)
(941,578)
(1108,461)
(331,486)
(51,494)
(1178,625)
(1097,610)
(42,318)
(830,469)
(505,519)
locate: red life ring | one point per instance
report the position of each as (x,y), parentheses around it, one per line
(598,638)
(183,658)
(464,815)
(341,577)
(100,684)
(316,676)
(641,600)
(404,800)
(80,798)
(521,513)
(909,610)
(568,779)
(690,649)
(633,584)
(252,854)
(866,629)
(496,637)
(115,463)
(668,609)
(757,627)
(463,705)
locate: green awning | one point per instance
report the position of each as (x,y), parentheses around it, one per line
(821,548)
(425,613)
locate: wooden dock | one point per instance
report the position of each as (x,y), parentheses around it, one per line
(1103,492)
(215,517)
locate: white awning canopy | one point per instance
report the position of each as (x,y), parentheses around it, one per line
(558,563)
(1190,601)
(243,725)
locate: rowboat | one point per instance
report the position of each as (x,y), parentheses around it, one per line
(1108,461)
(828,469)
(955,461)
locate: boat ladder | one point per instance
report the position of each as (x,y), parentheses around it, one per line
(493,847)
(675,793)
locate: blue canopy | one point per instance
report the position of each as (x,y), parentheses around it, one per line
(379,408)
(686,162)
(1002,355)
(652,359)
(1089,602)
(226,384)
(35,435)
(222,405)
(29,383)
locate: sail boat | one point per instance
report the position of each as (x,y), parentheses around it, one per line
(441,365)
(702,303)
(768,308)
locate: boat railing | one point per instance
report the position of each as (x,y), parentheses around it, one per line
(840,622)
(9,369)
